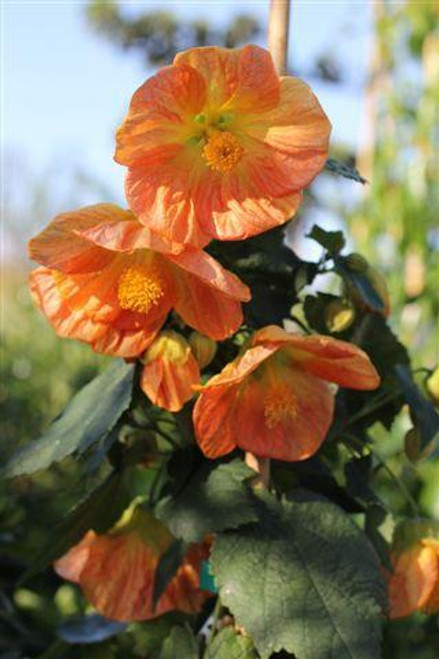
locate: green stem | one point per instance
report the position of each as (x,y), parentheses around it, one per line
(163,434)
(387,398)
(398,482)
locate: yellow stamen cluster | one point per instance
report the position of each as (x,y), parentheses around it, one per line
(279,405)
(222,151)
(140,287)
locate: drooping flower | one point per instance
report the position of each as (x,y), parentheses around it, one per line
(218,146)
(116,571)
(170,371)
(109,281)
(414,585)
(274,399)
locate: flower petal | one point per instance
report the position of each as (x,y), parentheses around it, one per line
(169,384)
(206,309)
(160,113)
(293,438)
(240,205)
(297,122)
(70,565)
(213,421)
(60,245)
(327,358)
(88,318)
(243,79)
(231,415)
(118,573)
(211,272)
(416,572)
(128,236)
(235,371)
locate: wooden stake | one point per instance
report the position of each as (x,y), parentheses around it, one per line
(278,26)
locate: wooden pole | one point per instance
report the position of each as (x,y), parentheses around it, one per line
(278,26)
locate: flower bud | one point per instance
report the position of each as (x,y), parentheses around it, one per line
(203,348)
(339,315)
(432,386)
(356,262)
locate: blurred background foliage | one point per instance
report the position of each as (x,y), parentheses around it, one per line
(392,220)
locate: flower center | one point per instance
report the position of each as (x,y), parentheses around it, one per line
(140,287)
(222,151)
(279,405)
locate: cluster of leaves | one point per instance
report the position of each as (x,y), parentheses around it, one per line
(296,567)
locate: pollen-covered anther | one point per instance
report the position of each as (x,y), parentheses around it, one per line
(140,288)
(222,151)
(279,405)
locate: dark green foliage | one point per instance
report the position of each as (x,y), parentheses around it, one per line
(230,645)
(304,579)
(345,170)
(332,241)
(180,644)
(423,414)
(216,497)
(93,512)
(90,416)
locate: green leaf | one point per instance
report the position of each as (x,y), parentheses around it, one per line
(90,415)
(230,645)
(180,644)
(305,579)
(362,285)
(98,511)
(304,275)
(149,635)
(332,241)
(341,169)
(422,411)
(215,498)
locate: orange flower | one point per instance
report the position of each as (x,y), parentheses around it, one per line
(116,571)
(218,146)
(273,400)
(110,282)
(414,583)
(170,371)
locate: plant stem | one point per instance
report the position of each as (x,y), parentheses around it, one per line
(278,26)
(398,482)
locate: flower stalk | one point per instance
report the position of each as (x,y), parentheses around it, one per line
(278,26)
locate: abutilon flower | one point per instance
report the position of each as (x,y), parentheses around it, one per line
(274,399)
(218,146)
(170,371)
(116,571)
(414,583)
(109,281)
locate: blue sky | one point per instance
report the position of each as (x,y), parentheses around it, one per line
(66,89)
